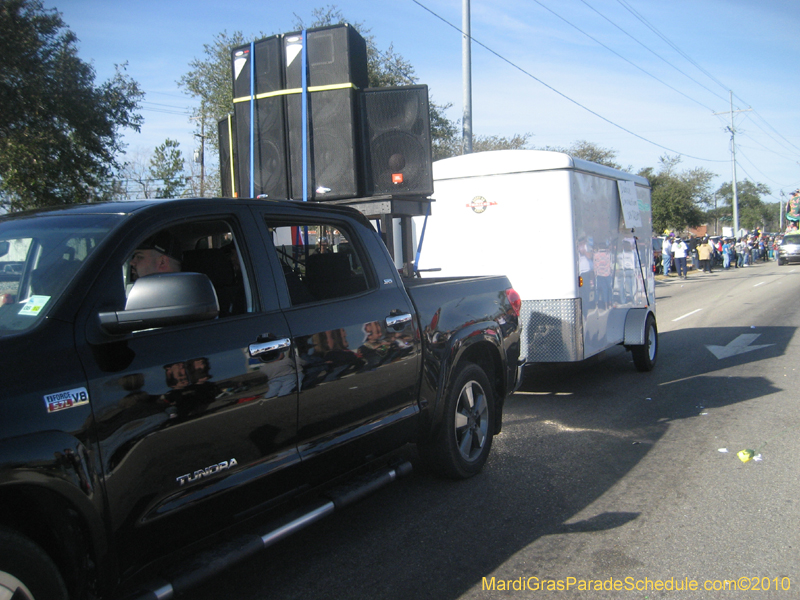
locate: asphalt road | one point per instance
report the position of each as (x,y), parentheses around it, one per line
(602,477)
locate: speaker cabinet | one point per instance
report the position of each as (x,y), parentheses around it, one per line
(264,79)
(336,68)
(228,177)
(397,141)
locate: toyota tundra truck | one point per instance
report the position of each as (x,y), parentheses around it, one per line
(185,382)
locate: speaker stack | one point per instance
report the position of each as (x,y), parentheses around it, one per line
(359,141)
(258,88)
(336,68)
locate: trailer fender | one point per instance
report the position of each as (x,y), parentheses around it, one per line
(634,326)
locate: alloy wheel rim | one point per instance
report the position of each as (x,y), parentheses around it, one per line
(10,585)
(471,421)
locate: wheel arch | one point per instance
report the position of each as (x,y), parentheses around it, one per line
(480,344)
(50,493)
(635,322)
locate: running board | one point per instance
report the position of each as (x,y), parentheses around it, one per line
(214,561)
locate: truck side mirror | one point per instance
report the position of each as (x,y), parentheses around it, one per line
(164,299)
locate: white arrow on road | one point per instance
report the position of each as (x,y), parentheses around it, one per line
(738,346)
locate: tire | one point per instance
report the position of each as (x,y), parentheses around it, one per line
(462,446)
(644,356)
(26,571)
(780,262)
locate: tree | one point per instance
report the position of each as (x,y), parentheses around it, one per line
(450,144)
(588,151)
(677,197)
(167,166)
(60,133)
(753,212)
(134,178)
(209,81)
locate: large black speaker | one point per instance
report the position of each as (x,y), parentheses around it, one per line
(262,78)
(397,141)
(228,177)
(336,68)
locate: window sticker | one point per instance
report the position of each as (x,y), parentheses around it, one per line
(67,399)
(34,305)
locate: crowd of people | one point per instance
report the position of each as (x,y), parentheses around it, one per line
(708,253)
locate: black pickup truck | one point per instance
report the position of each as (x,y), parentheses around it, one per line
(185,382)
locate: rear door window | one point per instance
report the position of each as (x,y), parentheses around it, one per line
(319,261)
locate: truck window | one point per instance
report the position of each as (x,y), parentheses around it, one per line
(318,261)
(207,247)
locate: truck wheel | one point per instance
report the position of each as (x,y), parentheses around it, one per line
(26,571)
(465,437)
(644,356)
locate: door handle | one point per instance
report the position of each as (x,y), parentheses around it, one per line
(260,348)
(398,320)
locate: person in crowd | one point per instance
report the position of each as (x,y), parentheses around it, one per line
(727,250)
(739,247)
(704,252)
(666,253)
(679,252)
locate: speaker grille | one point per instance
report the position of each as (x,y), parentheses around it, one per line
(397,141)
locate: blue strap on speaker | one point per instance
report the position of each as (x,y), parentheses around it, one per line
(304,112)
(252,117)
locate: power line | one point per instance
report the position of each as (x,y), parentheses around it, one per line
(617,53)
(551,88)
(677,69)
(757,169)
(672,45)
(771,127)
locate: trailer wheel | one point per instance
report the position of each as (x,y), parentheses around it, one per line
(26,571)
(644,356)
(462,446)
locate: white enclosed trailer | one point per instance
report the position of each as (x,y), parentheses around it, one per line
(572,236)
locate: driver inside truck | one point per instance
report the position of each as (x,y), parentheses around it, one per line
(160,253)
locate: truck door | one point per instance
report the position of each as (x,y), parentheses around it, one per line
(191,427)
(355,334)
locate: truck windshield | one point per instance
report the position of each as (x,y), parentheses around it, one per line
(39,257)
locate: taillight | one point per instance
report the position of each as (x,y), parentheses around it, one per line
(514,300)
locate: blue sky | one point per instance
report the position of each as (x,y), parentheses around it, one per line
(648,93)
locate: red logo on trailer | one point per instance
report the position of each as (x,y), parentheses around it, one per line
(479,204)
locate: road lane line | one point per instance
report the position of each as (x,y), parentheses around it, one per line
(687,315)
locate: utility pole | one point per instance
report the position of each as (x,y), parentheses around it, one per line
(780,212)
(466,69)
(735,202)
(202,154)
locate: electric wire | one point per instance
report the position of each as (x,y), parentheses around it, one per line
(695,64)
(672,45)
(778,142)
(551,88)
(654,52)
(743,155)
(594,39)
